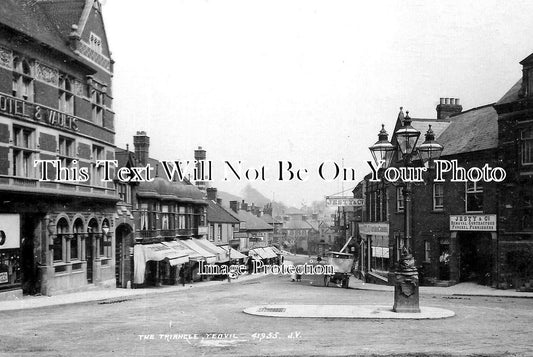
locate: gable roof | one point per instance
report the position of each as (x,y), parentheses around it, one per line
(43,24)
(63,13)
(253,222)
(297,224)
(217,214)
(269,219)
(23,16)
(473,130)
(422,125)
(512,94)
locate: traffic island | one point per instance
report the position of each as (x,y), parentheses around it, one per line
(346,312)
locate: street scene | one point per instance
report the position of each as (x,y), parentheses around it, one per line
(266,178)
(208,320)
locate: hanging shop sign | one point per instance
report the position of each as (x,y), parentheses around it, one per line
(343,201)
(374,229)
(9,231)
(473,222)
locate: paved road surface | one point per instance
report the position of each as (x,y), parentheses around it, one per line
(148,326)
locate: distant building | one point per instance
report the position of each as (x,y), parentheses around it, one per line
(222,223)
(253,231)
(276,236)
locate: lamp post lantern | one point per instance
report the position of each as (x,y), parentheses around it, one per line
(406,283)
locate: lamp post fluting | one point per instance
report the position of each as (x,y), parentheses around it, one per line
(407,154)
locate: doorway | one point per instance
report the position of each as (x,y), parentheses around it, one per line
(28,263)
(89,248)
(122,239)
(475,257)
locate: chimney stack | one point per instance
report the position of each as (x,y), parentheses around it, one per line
(219,201)
(234,205)
(200,155)
(141,142)
(244,206)
(447,107)
(268,209)
(212,194)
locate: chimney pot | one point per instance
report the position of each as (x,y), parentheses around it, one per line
(447,107)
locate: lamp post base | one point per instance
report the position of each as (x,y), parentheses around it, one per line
(406,295)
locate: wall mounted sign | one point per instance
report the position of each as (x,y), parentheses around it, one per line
(342,201)
(374,229)
(19,108)
(473,222)
(9,231)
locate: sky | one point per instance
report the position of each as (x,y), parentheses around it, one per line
(301,81)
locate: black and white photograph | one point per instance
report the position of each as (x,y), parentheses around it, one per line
(266,178)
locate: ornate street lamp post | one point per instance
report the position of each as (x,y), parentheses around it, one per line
(406,282)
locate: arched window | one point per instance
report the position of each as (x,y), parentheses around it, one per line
(75,243)
(59,240)
(105,240)
(22,79)
(66,97)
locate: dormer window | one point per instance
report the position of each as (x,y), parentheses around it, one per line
(95,43)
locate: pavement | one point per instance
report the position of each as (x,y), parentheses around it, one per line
(347,312)
(461,289)
(113,295)
(32,302)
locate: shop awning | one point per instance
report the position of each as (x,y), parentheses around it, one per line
(177,245)
(221,254)
(234,254)
(209,257)
(276,250)
(270,252)
(154,252)
(159,251)
(254,254)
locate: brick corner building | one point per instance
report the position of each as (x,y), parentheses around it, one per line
(515,195)
(55,104)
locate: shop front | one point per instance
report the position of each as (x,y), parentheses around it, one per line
(10,269)
(155,264)
(472,253)
(374,252)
